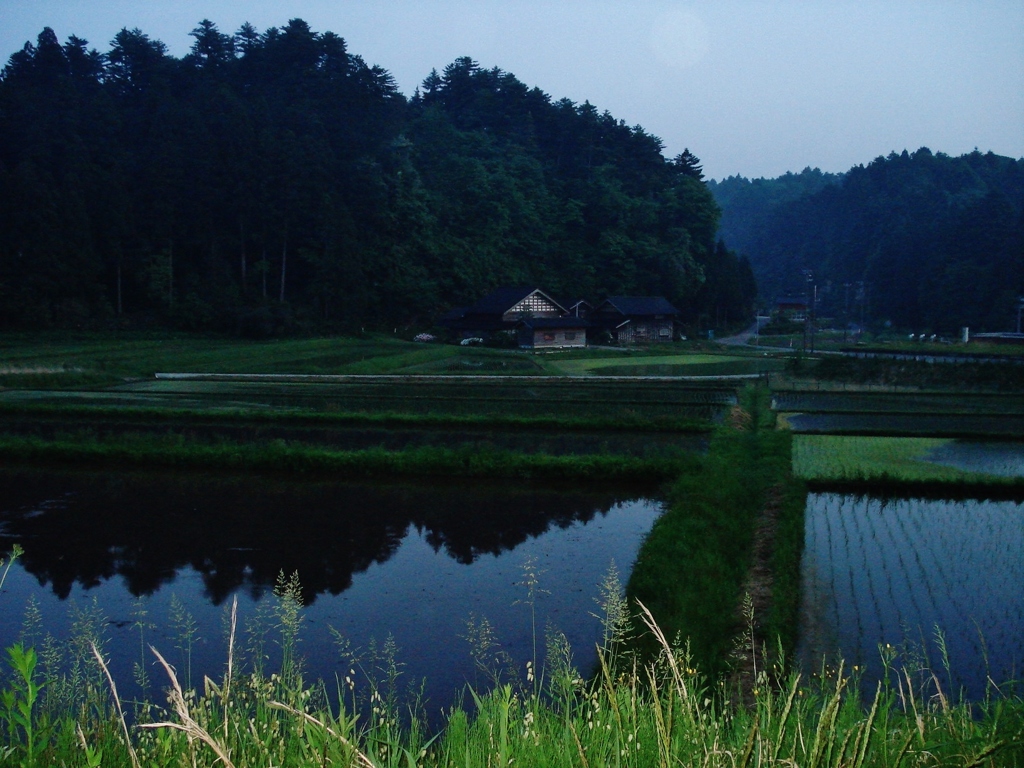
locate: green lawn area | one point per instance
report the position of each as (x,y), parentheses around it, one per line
(702,363)
(62,360)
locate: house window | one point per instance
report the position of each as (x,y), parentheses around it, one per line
(549,336)
(570,335)
(664,332)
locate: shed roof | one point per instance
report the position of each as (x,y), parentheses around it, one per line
(791,302)
(641,305)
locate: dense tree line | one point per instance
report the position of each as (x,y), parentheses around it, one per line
(274,180)
(920,241)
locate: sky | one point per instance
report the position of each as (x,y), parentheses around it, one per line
(752,88)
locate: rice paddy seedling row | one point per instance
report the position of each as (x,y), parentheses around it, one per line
(892,570)
(864,459)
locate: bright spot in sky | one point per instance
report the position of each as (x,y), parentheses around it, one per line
(680,39)
(751,87)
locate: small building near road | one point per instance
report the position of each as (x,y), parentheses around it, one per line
(636,319)
(791,310)
(998,338)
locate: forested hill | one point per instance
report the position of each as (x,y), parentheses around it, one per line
(926,242)
(273,181)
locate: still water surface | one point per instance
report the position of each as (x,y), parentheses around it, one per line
(885,570)
(994,457)
(411,561)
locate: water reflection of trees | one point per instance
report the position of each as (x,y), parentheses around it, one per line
(240,532)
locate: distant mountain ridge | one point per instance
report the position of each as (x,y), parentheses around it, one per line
(923,241)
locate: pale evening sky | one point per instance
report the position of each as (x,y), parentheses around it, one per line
(752,88)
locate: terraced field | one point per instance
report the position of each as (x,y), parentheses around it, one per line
(902,413)
(549,397)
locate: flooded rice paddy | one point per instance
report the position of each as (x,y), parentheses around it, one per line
(1002,458)
(920,413)
(1008,426)
(890,571)
(410,562)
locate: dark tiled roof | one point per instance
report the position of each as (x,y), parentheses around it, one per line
(500,301)
(642,305)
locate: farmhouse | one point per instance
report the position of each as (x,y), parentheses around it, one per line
(634,319)
(791,309)
(534,319)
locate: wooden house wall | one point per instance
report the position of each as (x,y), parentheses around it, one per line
(640,331)
(552,337)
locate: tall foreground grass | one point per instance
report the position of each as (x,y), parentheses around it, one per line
(659,713)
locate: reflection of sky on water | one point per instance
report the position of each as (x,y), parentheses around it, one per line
(925,424)
(413,561)
(993,458)
(881,571)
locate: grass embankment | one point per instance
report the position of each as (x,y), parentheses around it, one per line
(178,452)
(302,417)
(693,564)
(957,376)
(888,464)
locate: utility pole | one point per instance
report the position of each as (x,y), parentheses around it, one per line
(862,297)
(814,305)
(846,309)
(808,301)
